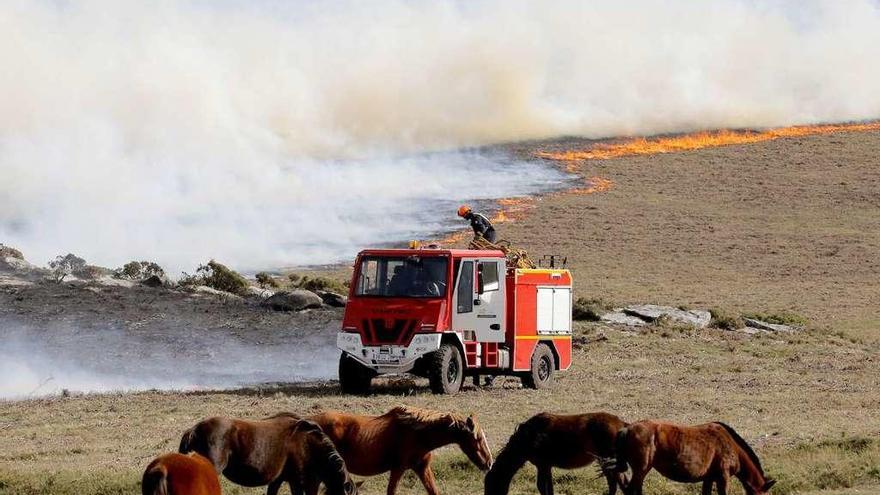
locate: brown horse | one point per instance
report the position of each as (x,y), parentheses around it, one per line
(402,439)
(277,449)
(564,441)
(710,453)
(178,474)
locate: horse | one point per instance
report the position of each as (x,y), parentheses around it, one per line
(401,439)
(271,451)
(563,441)
(178,474)
(710,453)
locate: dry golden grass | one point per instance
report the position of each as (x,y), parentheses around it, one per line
(808,403)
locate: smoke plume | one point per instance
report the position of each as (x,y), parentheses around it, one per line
(274,133)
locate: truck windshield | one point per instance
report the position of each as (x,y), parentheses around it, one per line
(405,276)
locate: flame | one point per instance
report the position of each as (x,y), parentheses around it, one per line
(642,146)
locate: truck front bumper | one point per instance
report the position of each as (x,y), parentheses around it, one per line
(388,358)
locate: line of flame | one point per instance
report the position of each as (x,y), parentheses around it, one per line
(642,146)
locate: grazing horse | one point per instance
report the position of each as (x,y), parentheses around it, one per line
(178,474)
(402,439)
(564,441)
(710,453)
(271,451)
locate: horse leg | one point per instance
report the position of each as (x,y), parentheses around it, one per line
(393,480)
(634,487)
(273,487)
(721,484)
(615,480)
(707,487)
(545,480)
(426,475)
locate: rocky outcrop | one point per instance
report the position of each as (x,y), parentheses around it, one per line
(651,313)
(769,327)
(333,299)
(621,318)
(293,300)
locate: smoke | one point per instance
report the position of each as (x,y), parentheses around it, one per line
(270,133)
(44,361)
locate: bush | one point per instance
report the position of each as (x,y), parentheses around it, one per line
(139,270)
(725,320)
(267,281)
(315,284)
(69,264)
(216,276)
(589,309)
(10,252)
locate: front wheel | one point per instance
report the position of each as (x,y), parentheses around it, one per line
(541,373)
(446,370)
(354,378)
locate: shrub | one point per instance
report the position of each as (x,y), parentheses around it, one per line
(69,264)
(10,252)
(725,320)
(139,270)
(216,276)
(294,278)
(315,284)
(266,280)
(589,309)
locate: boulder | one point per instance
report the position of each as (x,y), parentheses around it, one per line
(259,292)
(621,318)
(333,299)
(204,289)
(651,312)
(770,327)
(293,300)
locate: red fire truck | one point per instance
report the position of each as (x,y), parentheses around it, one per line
(449,313)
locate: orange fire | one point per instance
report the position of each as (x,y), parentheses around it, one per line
(642,146)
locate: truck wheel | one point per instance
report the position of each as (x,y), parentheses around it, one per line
(354,378)
(541,373)
(446,370)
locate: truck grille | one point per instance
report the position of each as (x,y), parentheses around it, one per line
(398,331)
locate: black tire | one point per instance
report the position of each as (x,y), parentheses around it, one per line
(354,378)
(541,373)
(446,370)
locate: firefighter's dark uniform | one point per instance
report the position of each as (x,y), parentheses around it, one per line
(481,225)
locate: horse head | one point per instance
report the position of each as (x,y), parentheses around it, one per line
(763,490)
(472,441)
(335,476)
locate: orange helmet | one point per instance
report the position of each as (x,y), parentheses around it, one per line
(463,210)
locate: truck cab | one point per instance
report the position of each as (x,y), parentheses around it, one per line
(449,313)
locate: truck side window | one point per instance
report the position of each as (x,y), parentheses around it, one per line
(466,287)
(489,272)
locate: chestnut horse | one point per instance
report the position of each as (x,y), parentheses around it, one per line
(564,441)
(402,439)
(178,474)
(271,451)
(710,453)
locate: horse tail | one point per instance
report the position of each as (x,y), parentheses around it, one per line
(620,450)
(155,480)
(514,455)
(186,441)
(742,443)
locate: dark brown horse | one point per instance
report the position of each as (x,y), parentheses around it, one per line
(278,449)
(564,441)
(402,439)
(710,453)
(178,474)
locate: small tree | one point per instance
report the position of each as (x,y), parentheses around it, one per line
(218,276)
(62,266)
(140,270)
(266,281)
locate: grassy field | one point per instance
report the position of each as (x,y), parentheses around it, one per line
(785,226)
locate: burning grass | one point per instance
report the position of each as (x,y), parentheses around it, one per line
(687,142)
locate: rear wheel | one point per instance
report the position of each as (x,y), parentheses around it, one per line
(446,370)
(354,378)
(541,373)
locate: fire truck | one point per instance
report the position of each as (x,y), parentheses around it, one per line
(445,314)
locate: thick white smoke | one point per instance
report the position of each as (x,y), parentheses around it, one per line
(269,133)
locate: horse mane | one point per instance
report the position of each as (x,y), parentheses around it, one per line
(330,458)
(419,419)
(745,446)
(513,455)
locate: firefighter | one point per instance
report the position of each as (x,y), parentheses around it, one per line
(481,225)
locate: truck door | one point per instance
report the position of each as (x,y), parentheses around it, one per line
(479,299)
